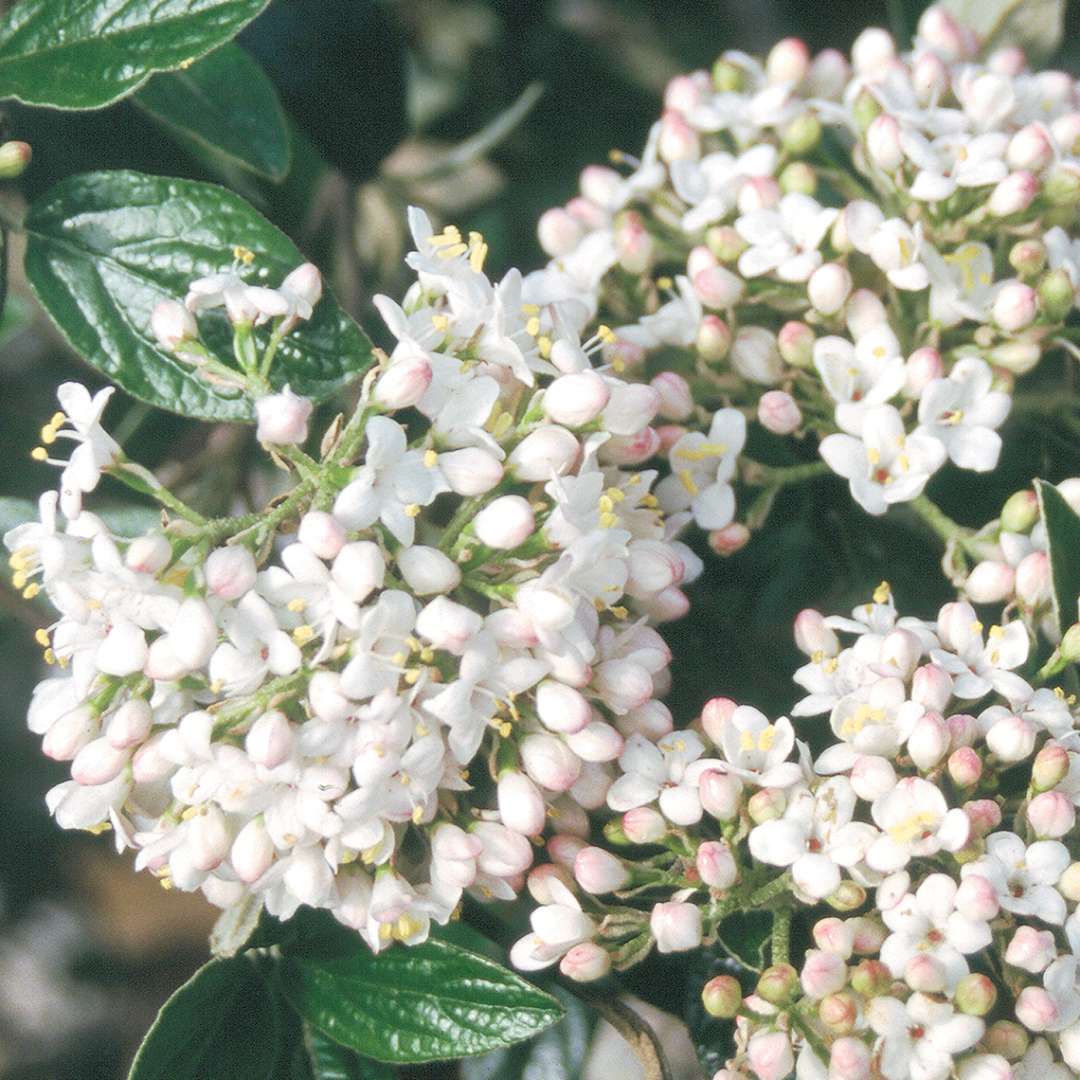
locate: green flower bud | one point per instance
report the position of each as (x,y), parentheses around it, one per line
(722,997)
(1056,295)
(1051,763)
(975,995)
(1019,357)
(726,77)
(839,1012)
(1006,1038)
(848,897)
(866,110)
(798,177)
(796,344)
(14,157)
(871,978)
(725,243)
(1020,512)
(778,984)
(802,135)
(1070,644)
(1062,187)
(1027,257)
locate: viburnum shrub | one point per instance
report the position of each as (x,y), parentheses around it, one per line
(427,677)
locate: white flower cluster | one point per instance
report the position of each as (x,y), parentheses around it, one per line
(869,251)
(967,962)
(449,644)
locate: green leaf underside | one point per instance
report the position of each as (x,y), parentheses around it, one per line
(329,1061)
(1037,26)
(226,104)
(103,248)
(1063,540)
(84,54)
(220,1025)
(429,1002)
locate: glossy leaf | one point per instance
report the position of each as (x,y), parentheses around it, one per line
(220,1025)
(1037,26)
(1063,543)
(83,54)
(428,1002)
(224,104)
(103,248)
(746,936)
(330,1061)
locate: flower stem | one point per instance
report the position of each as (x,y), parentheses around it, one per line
(781,935)
(947,529)
(779,476)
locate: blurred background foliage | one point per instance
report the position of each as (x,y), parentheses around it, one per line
(385,102)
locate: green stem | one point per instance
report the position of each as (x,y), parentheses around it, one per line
(779,476)
(781,935)
(462,516)
(775,888)
(947,529)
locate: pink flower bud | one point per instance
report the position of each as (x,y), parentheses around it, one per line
(123,651)
(521,806)
(984,815)
(148,554)
(795,343)
(722,997)
(823,973)
(586,962)
(1050,767)
(505,853)
(872,776)
(963,729)
(769,1055)
(720,794)
(358,569)
(868,932)
(718,288)
(713,338)
(252,851)
(976,898)
(1051,815)
(1033,579)
(632,449)
(684,92)
(634,243)
(597,742)
(849,1059)
(716,864)
(788,61)
(1030,149)
(931,687)
(730,539)
(778,412)
(812,635)
(1036,1009)
(676,398)
(208,838)
(1031,949)
(505,523)
(304,284)
(928,742)
(644,825)
(990,582)
(149,763)
(871,978)
(548,451)
(1014,194)
(678,140)
(282,418)
(630,409)
(600,184)
(768,804)
(550,762)
(230,572)
(925,973)
(922,367)
(173,325)
(597,871)
(538,881)
(563,849)
(322,533)
(716,714)
(964,766)
(929,77)
(883,143)
(1007,60)
(470,471)
(1015,306)
(700,258)
(834,935)
(942,33)
(98,762)
(872,51)
(403,383)
(558,232)
(1012,738)
(269,741)
(561,707)
(448,625)
(576,399)
(130,724)
(676,926)
(427,571)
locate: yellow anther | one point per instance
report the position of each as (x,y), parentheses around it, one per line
(386,931)
(417,815)
(606,504)
(952,416)
(413,643)
(615,494)
(543,343)
(505,728)
(440,322)
(185,64)
(93,603)
(608,521)
(449,235)
(303,634)
(399,657)
(650,501)
(47,435)
(618,365)
(620,612)
(477,255)
(19,580)
(412,510)
(873,456)
(431,459)
(976,627)
(530,309)
(190,812)
(688,482)
(452,252)
(39,453)
(703,452)
(17,561)
(166,883)
(881,593)
(664,283)
(412,676)
(427,654)
(634,478)
(49,657)
(31,591)
(606,335)
(532,327)
(880,352)
(58,419)
(616,157)
(243,254)
(830,665)
(297,604)
(995,632)
(904,462)
(41,636)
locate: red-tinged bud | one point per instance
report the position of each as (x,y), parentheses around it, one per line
(872,51)
(839,1012)
(1051,815)
(1036,1009)
(598,871)
(965,767)
(925,973)
(720,794)
(716,864)
(788,61)
(14,158)
(1020,512)
(990,582)
(975,995)
(403,383)
(730,539)
(759,193)
(1006,1038)
(779,412)
(768,804)
(1014,194)
(823,973)
(848,897)
(722,997)
(1015,306)
(644,825)
(1050,767)
(678,140)
(871,978)
(1031,950)
(796,344)
(586,962)
(984,815)
(713,338)
(778,984)
(1028,258)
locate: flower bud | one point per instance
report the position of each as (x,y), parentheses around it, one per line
(713,338)
(1030,149)
(630,409)
(883,143)
(561,707)
(642,825)
(252,851)
(929,77)
(651,719)
(676,926)
(990,582)
(984,816)
(813,635)
(448,625)
(722,997)
(768,804)
(716,864)
(470,471)
(802,135)
(597,742)
(403,383)
(829,73)
(208,838)
(505,853)
(230,572)
(558,232)
(795,343)
(839,1012)
(282,418)
(148,554)
(871,978)
(1011,738)
(864,312)
(872,51)
(1006,1038)
(598,872)
(727,77)
(1013,195)
(194,633)
(976,898)
(563,849)
(1062,187)
(829,287)
(834,935)
(788,61)
(1016,357)
(1030,949)
(98,762)
(798,177)
(1057,295)
(964,767)
(586,962)
(548,451)
(758,193)
(505,523)
(778,412)
(1036,1009)
(1050,767)
(1028,258)
(269,740)
(730,539)
(1069,883)
(718,288)
(847,897)
(172,324)
(359,569)
(1020,512)
(872,776)
(769,1055)
(521,806)
(633,243)
(678,140)
(778,984)
(823,973)
(755,356)
(550,762)
(928,742)
(427,571)
(849,1059)
(305,285)
(1051,815)
(975,995)
(942,33)
(725,242)
(1015,306)
(865,110)
(720,794)
(676,397)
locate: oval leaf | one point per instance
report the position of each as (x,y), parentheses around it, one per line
(221,1024)
(83,54)
(103,248)
(329,1061)
(224,104)
(1063,545)
(427,1002)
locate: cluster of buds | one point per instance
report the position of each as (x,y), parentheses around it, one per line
(866,251)
(372,696)
(943,841)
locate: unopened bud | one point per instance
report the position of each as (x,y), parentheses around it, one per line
(1015,306)
(865,110)
(1014,194)
(796,344)
(727,77)
(1033,581)
(171,323)
(778,984)
(823,973)
(678,140)
(547,451)
(925,973)
(848,897)
(1031,950)
(403,383)
(270,739)
(1030,148)
(559,232)
(768,804)
(788,61)
(839,1012)
(722,997)
(1020,512)
(758,193)
(1050,767)
(730,539)
(676,397)
(1016,357)
(14,158)
(871,978)
(883,143)
(148,554)
(1006,1038)
(1070,644)
(725,242)
(990,582)
(282,418)
(505,523)
(799,178)
(778,412)
(676,926)
(716,864)
(1051,815)
(829,288)
(1056,295)
(598,871)
(713,338)
(1069,883)
(720,794)
(965,767)
(586,962)
(1036,1009)
(984,816)
(756,357)
(1027,258)
(975,995)
(802,135)
(1062,187)
(644,825)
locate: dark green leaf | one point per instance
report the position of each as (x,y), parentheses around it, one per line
(225,104)
(558,1054)
(222,1024)
(103,248)
(1063,541)
(424,1003)
(746,938)
(329,1061)
(83,54)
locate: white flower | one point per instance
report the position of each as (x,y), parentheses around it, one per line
(915,821)
(1038,1064)
(961,412)
(877,719)
(885,466)
(556,928)
(702,470)
(961,283)
(659,771)
(1024,876)
(920,1038)
(860,376)
(954,161)
(257,646)
(757,750)
(785,241)
(391,485)
(244,303)
(896,249)
(978,668)
(1063,253)
(96,449)
(711,186)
